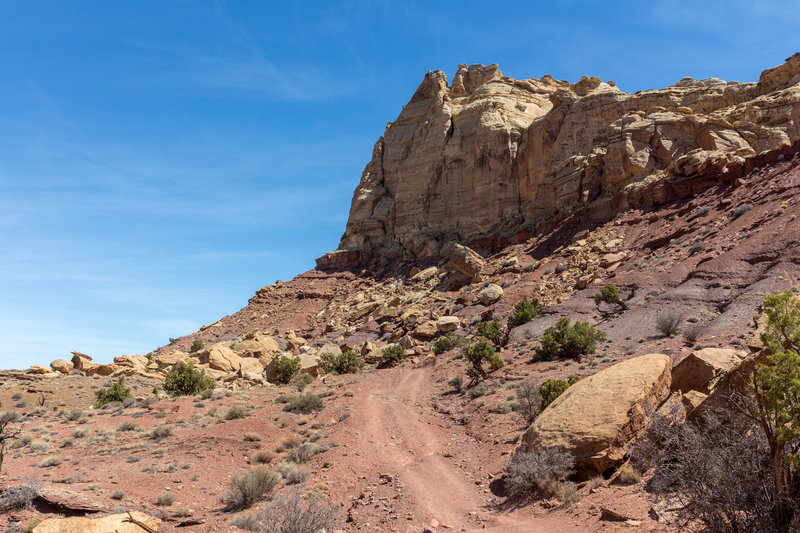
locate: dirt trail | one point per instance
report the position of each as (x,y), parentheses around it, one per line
(412,443)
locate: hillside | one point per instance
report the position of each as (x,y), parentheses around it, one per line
(480,194)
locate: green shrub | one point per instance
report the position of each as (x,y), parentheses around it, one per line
(553,388)
(393,355)
(490,330)
(285,368)
(345,363)
(447,342)
(524,312)
(115,393)
(184,379)
(301,381)
(610,295)
(165,499)
(236,412)
(303,403)
(566,341)
(477,354)
(246,489)
(197,345)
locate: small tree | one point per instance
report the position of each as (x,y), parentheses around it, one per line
(491,331)
(197,345)
(8,432)
(447,342)
(566,341)
(345,363)
(115,393)
(393,355)
(668,322)
(285,368)
(529,399)
(776,390)
(610,295)
(524,312)
(184,379)
(477,354)
(553,388)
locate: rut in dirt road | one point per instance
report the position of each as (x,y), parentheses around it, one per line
(412,442)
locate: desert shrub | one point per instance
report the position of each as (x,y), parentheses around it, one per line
(8,432)
(49,462)
(246,521)
(345,363)
(252,437)
(296,474)
(197,345)
(291,513)
(741,210)
(128,426)
(629,475)
(690,333)
(184,379)
(118,495)
(165,499)
(529,399)
(696,247)
(75,415)
(301,381)
(249,487)
(236,412)
(393,355)
(668,322)
(285,368)
(491,331)
(456,382)
(524,312)
(553,388)
(566,341)
(115,393)
(538,473)
(609,295)
(305,403)
(479,353)
(19,496)
(303,453)
(80,433)
(262,457)
(160,432)
(447,342)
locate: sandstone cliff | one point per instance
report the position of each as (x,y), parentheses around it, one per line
(490,155)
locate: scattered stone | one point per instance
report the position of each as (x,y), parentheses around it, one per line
(489,294)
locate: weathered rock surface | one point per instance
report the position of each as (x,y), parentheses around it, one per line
(700,369)
(489,155)
(596,418)
(118,523)
(221,357)
(257,346)
(489,294)
(62,365)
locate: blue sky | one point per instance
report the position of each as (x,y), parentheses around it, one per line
(160,161)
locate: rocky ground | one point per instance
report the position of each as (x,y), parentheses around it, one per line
(409,448)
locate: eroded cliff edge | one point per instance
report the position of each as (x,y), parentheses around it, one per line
(488,155)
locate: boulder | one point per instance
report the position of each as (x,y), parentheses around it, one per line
(251,365)
(329,348)
(467,261)
(118,523)
(489,294)
(596,418)
(80,360)
(170,358)
(62,365)
(294,341)
(309,364)
(426,330)
(221,357)
(448,323)
(425,275)
(699,370)
(39,369)
(257,346)
(102,370)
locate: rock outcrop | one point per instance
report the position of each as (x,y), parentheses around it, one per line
(489,155)
(596,418)
(119,523)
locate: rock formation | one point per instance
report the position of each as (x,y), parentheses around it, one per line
(489,155)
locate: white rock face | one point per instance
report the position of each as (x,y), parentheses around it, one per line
(490,154)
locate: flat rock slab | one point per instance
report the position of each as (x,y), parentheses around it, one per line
(134,522)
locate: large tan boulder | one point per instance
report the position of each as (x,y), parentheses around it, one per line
(448,323)
(221,357)
(309,364)
(426,329)
(62,365)
(489,294)
(80,360)
(115,523)
(251,365)
(699,370)
(257,346)
(170,358)
(466,261)
(39,369)
(294,341)
(329,348)
(596,418)
(102,370)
